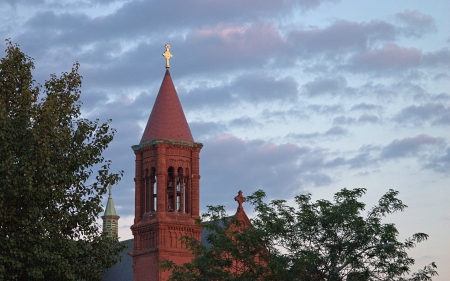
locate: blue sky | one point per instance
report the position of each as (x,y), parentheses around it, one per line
(287,96)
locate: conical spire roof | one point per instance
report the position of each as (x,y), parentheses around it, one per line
(110,210)
(167,120)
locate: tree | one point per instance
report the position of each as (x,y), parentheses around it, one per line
(49,197)
(319,240)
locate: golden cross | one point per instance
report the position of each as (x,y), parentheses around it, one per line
(167,55)
(240,199)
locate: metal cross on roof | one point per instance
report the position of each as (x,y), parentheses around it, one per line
(167,55)
(240,199)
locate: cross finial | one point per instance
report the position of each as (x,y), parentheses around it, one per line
(110,188)
(167,55)
(240,199)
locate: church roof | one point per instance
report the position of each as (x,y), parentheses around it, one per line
(167,120)
(122,270)
(110,210)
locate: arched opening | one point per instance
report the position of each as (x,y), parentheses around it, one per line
(153,198)
(144,192)
(177,192)
(180,191)
(171,190)
(187,190)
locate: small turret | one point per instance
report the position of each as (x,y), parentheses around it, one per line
(110,218)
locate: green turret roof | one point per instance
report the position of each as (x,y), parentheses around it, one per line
(110,210)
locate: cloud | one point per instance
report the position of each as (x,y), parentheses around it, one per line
(262,87)
(111,47)
(311,4)
(253,88)
(283,169)
(417,23)
(364,118)
(137,24)
(390,57)
(342,120)
(325,109)
(326,86)
(124,224)
(341,37)
(382,91)
(440,163)
(435,113)
(246,45)
(407,147)
(437,58)
(441,76)
(130,69)
(15,3)
(223,26)
(334,131)
(206,97)
(284,116)
(227,47)
(91,99)
(361,160)
(135,18)
(442,97)
(365,156)
(203,130)
(364,106)
(305,135)
(244,122)
(368,118)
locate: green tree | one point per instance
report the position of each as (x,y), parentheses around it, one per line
(49,198)
(313,241)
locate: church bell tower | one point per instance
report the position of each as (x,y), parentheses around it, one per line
(167,187)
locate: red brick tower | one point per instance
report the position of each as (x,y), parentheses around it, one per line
(166,185)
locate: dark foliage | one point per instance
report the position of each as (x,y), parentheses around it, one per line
(313,241)
(48,210)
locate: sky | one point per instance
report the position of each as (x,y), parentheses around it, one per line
(292,97)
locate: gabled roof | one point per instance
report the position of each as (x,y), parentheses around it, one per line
(167,120)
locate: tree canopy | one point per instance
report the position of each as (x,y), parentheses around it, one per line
(50,197)
(312,241)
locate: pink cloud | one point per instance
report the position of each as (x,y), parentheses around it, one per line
(239,41)
(389,57)
(230,46)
